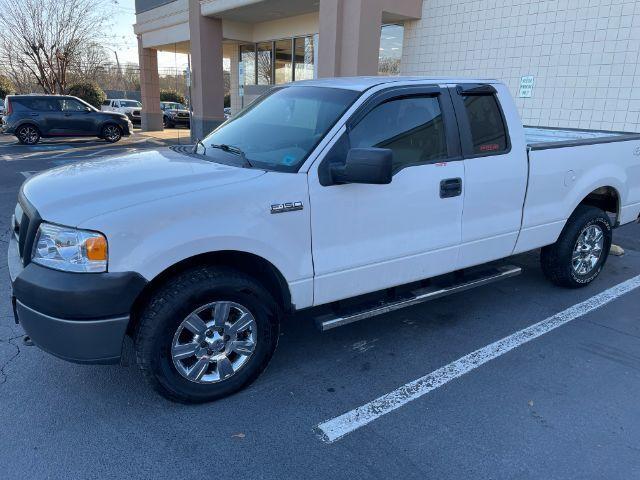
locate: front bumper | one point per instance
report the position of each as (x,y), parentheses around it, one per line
(78,317)
(79,341)
(179,120)
(128,130)
(134,119)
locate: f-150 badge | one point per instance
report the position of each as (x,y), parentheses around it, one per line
(286,207)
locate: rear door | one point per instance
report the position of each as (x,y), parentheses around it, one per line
(45,113)
(370,237)
(495,176)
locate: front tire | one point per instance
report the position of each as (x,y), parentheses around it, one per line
(581,251)
(206,334)
(28,135)
(111,133)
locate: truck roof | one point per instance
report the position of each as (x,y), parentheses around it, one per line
(364,83)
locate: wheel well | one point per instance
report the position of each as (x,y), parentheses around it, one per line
(28,124)
(107,123)
(253,265)
(605,198)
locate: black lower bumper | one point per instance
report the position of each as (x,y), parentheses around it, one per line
(80,341)
(80,317)
(134,119)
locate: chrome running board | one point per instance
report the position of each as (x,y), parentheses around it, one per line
(459,283)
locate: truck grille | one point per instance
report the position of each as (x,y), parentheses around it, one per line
(135,113)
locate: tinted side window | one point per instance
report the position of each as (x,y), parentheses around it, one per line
(488,131)
(40,104)
(72,105)
(411,127)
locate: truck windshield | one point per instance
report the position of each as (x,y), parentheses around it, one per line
(130,103)
(280,130)
(172,106)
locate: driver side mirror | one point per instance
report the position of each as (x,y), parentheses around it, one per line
(364,165)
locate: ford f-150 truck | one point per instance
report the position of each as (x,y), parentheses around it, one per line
(351,196)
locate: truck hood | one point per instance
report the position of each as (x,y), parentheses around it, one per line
(77,192)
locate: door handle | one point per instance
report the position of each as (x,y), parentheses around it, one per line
(451,187)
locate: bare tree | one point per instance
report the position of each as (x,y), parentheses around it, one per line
(48,36)
(90,62)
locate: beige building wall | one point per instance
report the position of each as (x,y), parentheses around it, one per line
(584,54)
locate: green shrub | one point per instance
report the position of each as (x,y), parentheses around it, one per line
(172,96)
(6,87)
(89,92)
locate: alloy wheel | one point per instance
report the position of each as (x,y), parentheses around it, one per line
(588,250)
(112,133)
(215,341)
(28,135)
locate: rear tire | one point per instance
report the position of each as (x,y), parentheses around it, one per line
(28,134)
(581,251)
(171,343)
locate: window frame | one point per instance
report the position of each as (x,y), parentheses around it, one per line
(452,138)
(273,53)
(462,116)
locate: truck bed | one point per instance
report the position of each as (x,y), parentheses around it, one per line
(565,166)
(541,138)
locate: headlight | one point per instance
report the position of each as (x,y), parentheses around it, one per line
(69,249)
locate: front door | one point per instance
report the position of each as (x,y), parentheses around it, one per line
(370,237)
(77,120)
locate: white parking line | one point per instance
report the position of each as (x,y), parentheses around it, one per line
(93,154)
(336,428)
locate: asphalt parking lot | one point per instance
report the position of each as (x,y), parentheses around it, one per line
(564,405)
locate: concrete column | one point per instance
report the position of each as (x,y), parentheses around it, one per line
(207,80)
(151,114)
(349,37)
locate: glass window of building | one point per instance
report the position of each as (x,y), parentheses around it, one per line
(279,61)
(248,59)
(283,61)
(265,63)
(304,58)
(390,49)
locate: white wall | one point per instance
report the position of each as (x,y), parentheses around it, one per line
(584,54)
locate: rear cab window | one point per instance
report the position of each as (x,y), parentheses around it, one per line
(482,124)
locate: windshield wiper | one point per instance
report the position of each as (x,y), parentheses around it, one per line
(233,149)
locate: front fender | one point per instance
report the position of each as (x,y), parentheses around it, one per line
(151,237)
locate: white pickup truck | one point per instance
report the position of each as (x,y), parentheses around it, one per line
(352,196)
(131,108)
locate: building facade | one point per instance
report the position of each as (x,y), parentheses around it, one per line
(568,63)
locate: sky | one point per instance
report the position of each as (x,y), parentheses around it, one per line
(126,43)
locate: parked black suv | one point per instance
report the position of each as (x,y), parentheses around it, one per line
(30,117)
